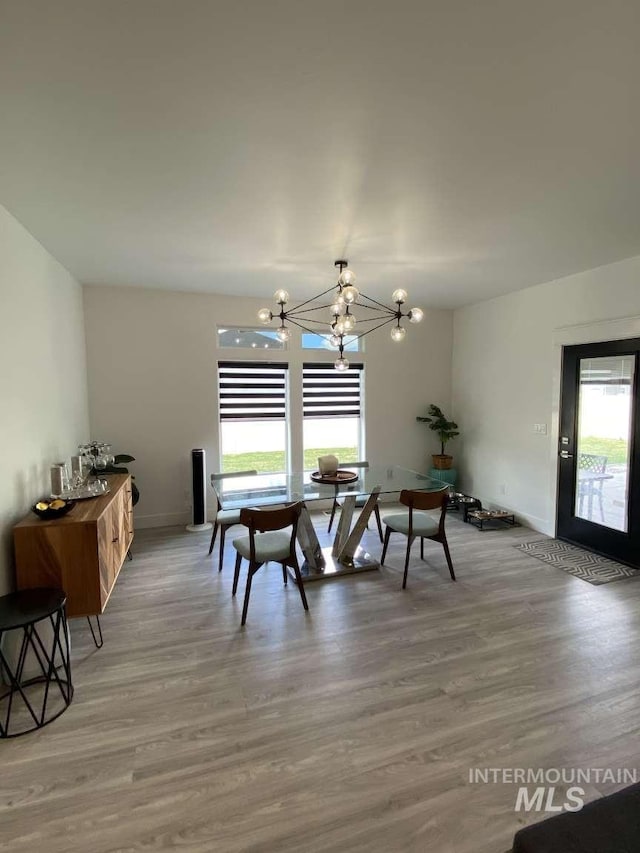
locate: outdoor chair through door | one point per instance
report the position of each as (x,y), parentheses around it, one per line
(591,476)
(416,523)
(268,541)
(225,518)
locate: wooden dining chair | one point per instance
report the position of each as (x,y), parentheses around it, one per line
(268,542)
(361,500)
(416,523)
(225,518)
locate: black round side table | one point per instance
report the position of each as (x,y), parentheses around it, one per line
(27,704)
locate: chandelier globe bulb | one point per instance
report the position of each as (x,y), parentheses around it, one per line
(350,294)
(346,277)
(398,333)
(416,315)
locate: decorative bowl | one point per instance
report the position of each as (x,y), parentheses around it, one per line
(50,512)
(338,477)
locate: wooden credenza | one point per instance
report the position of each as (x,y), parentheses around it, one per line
(82,552)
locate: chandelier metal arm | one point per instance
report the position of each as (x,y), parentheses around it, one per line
(375,317)
(324,322)
(313,299)
(379,304)
(373,328)
(306,328)
(295,311)
(308,320)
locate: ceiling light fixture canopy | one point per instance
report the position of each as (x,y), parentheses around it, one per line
(342,321)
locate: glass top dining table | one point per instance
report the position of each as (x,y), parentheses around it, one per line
(346,556)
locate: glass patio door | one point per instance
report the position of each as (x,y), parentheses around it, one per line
(599,449)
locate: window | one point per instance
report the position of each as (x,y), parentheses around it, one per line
(253,409)
(246,338)
(320,340)
(331,413)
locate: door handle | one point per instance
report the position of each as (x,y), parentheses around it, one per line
(564,454)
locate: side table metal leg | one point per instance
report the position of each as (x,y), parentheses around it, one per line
(97,644)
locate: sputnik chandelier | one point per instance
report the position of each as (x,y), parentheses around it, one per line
(342,321)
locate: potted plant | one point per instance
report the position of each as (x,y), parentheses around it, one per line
(445,429)
(117,467)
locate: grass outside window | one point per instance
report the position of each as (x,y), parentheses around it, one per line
(272,461)
(615,449)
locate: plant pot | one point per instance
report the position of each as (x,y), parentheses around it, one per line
(442,462)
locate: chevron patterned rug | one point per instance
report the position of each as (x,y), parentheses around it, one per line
(577,562)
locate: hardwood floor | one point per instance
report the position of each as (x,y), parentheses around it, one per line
(350,728)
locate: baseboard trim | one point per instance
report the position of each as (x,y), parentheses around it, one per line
(165,519)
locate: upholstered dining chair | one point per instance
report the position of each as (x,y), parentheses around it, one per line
(268,541)
(416,523)
(361,500)
(225,518)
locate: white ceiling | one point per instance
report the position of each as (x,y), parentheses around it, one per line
(460,148)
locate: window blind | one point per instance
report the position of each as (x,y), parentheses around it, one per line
(251,390)
(329,393)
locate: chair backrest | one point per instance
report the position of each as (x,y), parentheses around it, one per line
(263,520)
(592,462)
(417,500)
(223,475)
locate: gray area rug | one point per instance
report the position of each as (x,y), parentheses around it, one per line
(577,562)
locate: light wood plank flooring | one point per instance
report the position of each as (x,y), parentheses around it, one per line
(350,728)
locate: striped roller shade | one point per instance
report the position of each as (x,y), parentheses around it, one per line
(250,390)
(327,393)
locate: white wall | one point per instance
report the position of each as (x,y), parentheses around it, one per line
(152,385)
(43,385)
(506,378)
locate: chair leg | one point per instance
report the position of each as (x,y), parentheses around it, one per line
(247,593)
(422,547)
(284,574)
(378,521)
(223,532)
(406,561)
(333,512)
(213,537)
(303,595)
(445,545)
(387,534)
(236,574)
